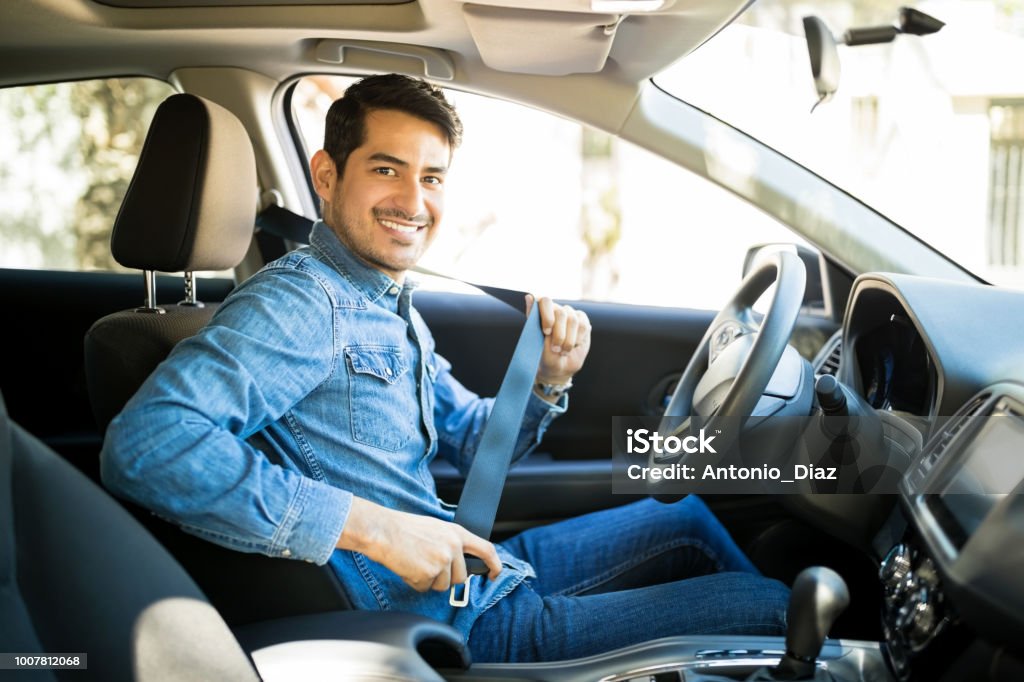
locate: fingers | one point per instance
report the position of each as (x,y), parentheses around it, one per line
(442,581)
(453,571)
(459,572)
(572,326)
(483,549)
(565,327)
(557,338)
(554,321)
(582,329)
(547,315)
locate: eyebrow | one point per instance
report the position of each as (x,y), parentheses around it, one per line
(394,160)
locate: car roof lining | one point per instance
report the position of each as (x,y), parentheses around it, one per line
(76,39)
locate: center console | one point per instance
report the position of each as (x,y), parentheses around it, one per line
(689,659)
(954,594)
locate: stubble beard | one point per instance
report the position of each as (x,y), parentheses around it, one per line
(360,243)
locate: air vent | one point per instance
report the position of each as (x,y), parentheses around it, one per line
(956,424)
(831,363)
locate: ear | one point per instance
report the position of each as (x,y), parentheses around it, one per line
(324,174)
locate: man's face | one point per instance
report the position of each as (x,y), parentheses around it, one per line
(388,202)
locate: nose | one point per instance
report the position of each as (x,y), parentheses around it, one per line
(410,198)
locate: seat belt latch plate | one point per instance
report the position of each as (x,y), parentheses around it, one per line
(464,601)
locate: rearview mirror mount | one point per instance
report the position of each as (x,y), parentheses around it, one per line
(824,53)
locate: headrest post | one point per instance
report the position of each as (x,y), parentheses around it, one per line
(190,292)
(150,307)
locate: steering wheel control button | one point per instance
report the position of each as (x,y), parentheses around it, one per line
(722,337)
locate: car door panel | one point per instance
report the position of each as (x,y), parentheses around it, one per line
(637,353)
(634,350)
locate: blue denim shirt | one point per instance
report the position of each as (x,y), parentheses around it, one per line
(327,359)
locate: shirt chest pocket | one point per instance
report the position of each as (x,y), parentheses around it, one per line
(382,397)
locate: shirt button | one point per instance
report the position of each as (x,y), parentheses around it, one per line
(286,553)
(393,291)
(387,370)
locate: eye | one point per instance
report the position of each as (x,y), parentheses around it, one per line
(432,180)
(384,170)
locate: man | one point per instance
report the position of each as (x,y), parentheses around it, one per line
(323,355)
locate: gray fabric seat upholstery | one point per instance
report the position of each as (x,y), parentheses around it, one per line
(79,575)
(191,205)
(124,348)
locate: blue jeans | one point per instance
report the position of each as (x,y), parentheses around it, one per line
(627,575)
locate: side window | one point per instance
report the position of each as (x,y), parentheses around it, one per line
(66,157)
(537,202)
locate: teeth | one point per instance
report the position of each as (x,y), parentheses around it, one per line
(405,229)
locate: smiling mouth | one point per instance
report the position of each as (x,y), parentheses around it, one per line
(399,227)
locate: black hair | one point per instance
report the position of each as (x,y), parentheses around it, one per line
(346,119)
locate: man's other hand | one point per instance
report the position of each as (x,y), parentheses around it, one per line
(566,340)
(425,552)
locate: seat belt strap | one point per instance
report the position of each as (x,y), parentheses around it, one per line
(478,504)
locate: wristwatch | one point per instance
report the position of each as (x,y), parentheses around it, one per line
(553,391)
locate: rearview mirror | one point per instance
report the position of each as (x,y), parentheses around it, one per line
(821,48)
(824,54)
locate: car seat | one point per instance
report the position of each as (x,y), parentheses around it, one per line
(191,205)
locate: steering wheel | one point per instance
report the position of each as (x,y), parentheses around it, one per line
(737,357)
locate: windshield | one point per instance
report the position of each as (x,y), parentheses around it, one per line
(927,130)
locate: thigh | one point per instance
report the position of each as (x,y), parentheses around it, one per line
(526,626)
(638,544)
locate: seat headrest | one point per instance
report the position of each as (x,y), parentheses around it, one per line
(191,204)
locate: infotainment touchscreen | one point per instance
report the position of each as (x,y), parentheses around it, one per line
(989,467)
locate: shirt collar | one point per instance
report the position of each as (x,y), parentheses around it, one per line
(370,281)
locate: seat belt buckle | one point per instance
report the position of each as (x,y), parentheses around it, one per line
(464,600)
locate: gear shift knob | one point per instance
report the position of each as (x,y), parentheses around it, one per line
(818,596)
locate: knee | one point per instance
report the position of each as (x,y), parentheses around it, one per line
(692,511)
(694,505)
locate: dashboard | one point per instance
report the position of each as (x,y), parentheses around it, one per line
(949,359)
(896,372)
(922,347)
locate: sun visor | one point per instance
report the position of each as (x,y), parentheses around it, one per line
(540,42)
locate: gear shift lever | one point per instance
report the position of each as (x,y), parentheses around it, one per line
(818,596)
